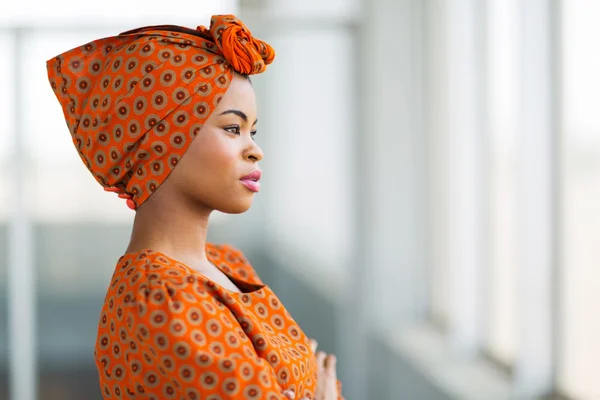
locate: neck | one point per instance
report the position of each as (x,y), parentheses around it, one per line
(177,230)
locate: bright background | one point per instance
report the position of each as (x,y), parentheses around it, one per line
(430,208)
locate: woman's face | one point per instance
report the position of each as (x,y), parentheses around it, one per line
(209,173)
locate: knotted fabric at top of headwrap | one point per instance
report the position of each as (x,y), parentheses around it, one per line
(134,102)
(246,54)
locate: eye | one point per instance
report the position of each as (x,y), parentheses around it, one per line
(253,133)
(233,129)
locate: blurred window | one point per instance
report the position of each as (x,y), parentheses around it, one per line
(6,143)
(579,282)
(501,317)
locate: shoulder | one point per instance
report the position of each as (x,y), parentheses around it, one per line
(232,261)
(149,270)
(155,289)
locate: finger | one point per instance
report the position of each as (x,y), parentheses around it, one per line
(331,371)
(321,375)
(321,355)
(290,394)
(330,363)
(313,345)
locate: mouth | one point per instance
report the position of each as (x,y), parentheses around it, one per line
(251,180)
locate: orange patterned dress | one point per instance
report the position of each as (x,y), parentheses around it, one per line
(168,332)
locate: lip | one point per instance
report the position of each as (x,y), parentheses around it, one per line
(252,185)
(251,180)
(252,176)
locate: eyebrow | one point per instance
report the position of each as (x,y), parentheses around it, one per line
(239,113)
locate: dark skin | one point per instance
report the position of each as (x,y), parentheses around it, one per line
(174,220)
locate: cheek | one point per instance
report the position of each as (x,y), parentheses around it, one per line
(213,154)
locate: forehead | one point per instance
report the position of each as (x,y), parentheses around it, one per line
(240,95)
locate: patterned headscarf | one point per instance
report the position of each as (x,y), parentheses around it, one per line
(134,102)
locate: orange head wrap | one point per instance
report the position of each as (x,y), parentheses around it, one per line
(134,102)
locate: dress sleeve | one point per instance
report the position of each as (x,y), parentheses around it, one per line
(184,343)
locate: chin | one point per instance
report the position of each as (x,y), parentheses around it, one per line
(237,208)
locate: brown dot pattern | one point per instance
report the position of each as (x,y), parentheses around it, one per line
(168,332)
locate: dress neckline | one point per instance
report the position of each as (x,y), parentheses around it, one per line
(254,288)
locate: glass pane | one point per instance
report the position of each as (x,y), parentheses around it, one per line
(580,195)
(297,206)
(6,124)
(6,144)
(437,64)
(501,332)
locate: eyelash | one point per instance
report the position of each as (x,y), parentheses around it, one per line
(237,130)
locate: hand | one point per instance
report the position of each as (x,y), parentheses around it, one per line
(327,383)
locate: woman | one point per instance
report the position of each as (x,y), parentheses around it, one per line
(183,318)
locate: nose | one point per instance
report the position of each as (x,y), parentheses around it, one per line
(253,151)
